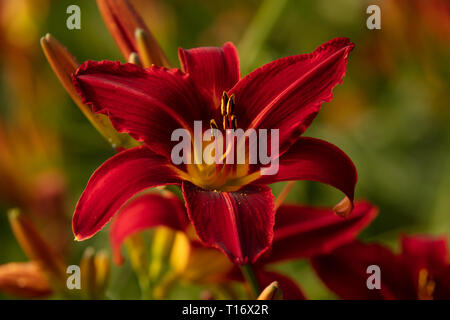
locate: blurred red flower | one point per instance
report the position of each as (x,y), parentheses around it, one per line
(420,271)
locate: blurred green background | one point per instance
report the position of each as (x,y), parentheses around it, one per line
(390,115)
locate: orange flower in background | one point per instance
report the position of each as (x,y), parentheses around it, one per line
(24,279)
(45,272)
(30,152)
(417,20)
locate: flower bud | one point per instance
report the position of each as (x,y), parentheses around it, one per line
(271,292)
(138,253)
(64,65)
(195,263)
(95,271)
(103,272)
(87,267)
(24,279)
(160,251)
(149,50)
(123,23)
(36,248)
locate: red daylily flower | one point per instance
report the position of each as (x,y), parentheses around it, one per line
(231,208)
(300,232)
(421,271)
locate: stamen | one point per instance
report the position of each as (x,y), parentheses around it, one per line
(233,121)
(224,103)
(230,105)
(222,174)
(283,194)
(227,109)
(213,124)
(227,151)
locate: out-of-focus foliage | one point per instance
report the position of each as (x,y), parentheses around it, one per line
(391,115)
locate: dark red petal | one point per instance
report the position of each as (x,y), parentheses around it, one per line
(344,272)
(286,94)
(430,253)
(425,252)
(289,289)
(213,69)
(144,212)
(238,223)
(316,160)
(442,289)
(116,181)
(303,232)
(149,104)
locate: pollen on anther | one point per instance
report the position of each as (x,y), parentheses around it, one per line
(230,105)
(224,103)
(213,124)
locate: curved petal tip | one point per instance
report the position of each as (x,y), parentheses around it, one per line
(344,208)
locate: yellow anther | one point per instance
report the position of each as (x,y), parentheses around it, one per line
(230,105)
(224,103)
(213,124)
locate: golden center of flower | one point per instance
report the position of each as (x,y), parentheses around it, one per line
(225,170)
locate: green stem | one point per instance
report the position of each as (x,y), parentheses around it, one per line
(250,277)
(258,31)
(146,289)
